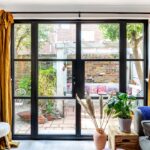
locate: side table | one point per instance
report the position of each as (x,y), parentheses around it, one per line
(121,140)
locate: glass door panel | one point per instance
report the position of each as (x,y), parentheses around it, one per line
(101,77)
(135,78)
(55,79)
(57,41)
(56,116)
(135,40)
(100,41)
(22,111)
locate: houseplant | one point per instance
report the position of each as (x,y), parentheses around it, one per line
(48,110)
(121,106)
(100,123)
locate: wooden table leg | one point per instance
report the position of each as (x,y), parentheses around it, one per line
(7,142)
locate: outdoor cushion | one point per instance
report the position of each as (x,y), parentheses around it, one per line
(4,129)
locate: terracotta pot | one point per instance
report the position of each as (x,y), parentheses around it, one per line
(26,116)
(125,125)
(100,139)
(49,117)
(41,119)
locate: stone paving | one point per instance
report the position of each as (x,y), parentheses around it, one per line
(64,125)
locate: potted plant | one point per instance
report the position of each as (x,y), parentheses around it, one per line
(121,106)
(49,110)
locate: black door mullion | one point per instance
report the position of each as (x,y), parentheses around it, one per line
(13,78)
(146,54)
(80,92)
(34,80)
(122,45)
(79,85)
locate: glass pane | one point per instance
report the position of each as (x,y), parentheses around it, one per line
(55,78)
(57,41)
(56,116)
(22,78)
(22,122)
(135,78)
(100,41)
(135,40)
(22,37)
(139,102)
(101,77)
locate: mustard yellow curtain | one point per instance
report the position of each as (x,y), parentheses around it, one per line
(6,19)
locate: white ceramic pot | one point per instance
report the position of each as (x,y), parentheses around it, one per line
(125,125)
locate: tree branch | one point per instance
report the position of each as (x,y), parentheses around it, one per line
(21,39)
(139,39)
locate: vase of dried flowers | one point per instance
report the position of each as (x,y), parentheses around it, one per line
(100,139)
(99,136)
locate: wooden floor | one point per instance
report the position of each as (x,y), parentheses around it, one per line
(55,145)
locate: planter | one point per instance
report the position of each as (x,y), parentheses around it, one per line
(125,125)
(100,139)
(26,116)
(41,119)
(50,117)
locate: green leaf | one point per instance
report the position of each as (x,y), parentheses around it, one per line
(120,105)
(122,96)
(131,97)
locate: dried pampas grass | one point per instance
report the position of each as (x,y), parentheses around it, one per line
(88,107)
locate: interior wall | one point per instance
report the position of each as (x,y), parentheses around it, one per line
(44,7)
(78,15)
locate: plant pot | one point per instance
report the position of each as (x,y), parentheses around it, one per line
(125,125)
(26,116)
(49,117)
(41,119)
(100,139)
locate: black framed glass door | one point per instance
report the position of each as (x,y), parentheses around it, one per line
(52,61)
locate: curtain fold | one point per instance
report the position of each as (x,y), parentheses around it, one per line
(6,19)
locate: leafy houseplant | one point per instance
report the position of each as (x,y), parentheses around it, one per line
(121,106)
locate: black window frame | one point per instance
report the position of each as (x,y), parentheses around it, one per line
(79,79)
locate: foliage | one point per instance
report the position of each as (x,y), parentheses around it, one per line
(134,31)
(121,105)
(46,86)
(50,107)
(134,38)
(25,83)
(47,81)
(111,31)
(23,36)
(44,30)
